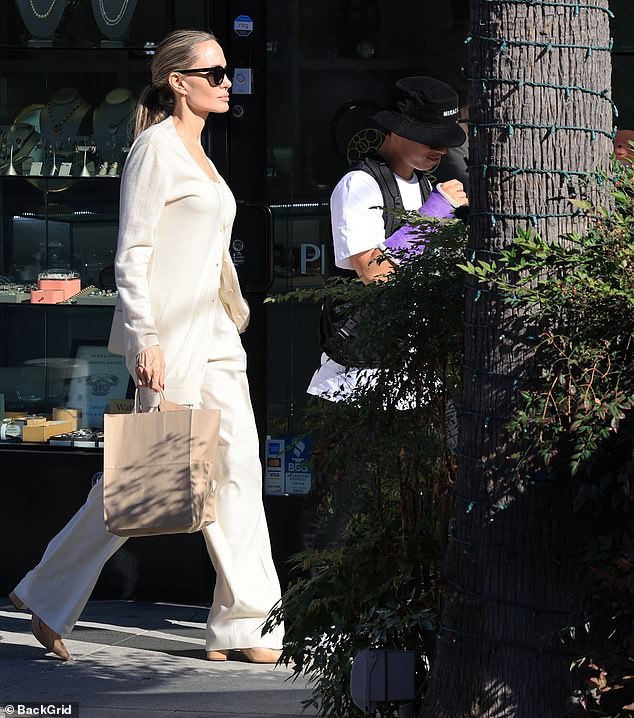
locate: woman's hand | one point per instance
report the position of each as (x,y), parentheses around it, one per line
(150,368)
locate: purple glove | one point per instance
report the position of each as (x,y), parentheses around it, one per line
(435,206)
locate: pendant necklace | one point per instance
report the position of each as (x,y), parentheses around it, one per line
(112,21)
(114,126)
(39,15)
(57,126)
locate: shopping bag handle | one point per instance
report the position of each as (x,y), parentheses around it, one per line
(138,409)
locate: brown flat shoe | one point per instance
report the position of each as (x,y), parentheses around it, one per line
(261,655)
(17,604)
(48,638)
(217,655)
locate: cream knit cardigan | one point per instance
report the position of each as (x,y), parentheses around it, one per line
(173,269)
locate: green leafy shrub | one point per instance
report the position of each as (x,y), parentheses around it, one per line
(384,467)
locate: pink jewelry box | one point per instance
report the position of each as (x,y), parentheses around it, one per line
(68,287)
(47,296)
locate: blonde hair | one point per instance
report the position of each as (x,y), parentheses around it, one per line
(156,101)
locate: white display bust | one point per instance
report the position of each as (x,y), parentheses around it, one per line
(114,117)
(113,16)
(31,115)
(63,115)
(42,17)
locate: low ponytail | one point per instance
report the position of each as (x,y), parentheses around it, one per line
(154,105)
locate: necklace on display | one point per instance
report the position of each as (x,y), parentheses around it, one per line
(58,125)
(11,137)
(104,15)
(114,126)
(39,15)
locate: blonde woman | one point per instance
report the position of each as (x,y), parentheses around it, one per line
(178,320)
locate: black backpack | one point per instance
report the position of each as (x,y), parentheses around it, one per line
(339,320)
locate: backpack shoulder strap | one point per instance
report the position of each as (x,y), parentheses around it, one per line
(376,166)
(424,184)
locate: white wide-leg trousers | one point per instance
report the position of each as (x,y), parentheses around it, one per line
(247,585)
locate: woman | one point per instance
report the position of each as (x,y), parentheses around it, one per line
(177,322)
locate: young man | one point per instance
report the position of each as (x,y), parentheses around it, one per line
(420,125)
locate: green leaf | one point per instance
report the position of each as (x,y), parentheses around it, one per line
(581,203)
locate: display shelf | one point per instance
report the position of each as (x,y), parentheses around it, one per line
(56,184)
(36,449)
(56,455)
(107,302)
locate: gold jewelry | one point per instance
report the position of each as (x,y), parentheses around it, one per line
(38,15)
(110,21)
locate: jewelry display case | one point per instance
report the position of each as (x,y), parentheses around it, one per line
(70,71)
(70,75)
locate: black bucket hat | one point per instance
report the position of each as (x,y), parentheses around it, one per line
(425,110)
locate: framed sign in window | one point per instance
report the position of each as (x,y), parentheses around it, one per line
(98,376)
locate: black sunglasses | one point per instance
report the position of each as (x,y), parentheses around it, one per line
(215,75)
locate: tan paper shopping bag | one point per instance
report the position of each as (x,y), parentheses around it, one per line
(158,470)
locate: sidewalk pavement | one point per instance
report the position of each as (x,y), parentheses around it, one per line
(140,660)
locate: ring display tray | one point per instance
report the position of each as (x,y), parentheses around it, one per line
(80,439)
(14,293)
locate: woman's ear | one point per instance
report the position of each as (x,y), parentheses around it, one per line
(175,82)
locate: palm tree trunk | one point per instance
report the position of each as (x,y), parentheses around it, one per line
(540,115)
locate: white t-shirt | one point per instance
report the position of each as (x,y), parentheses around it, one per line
(356,227)
(356,214)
